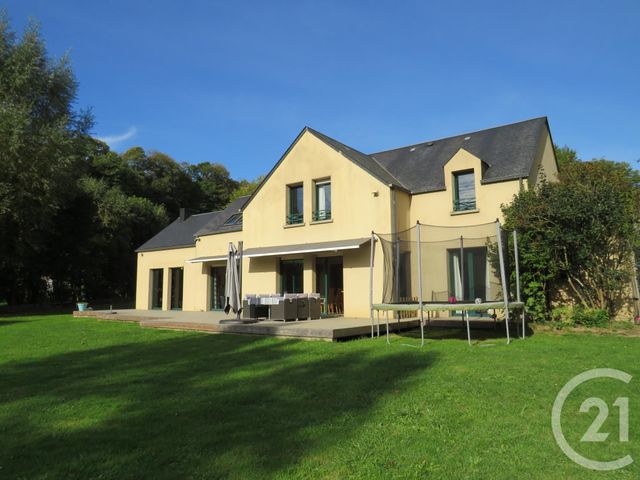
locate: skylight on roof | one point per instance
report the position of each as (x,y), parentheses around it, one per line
(235,219)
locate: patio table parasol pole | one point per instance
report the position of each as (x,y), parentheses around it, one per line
(371,281)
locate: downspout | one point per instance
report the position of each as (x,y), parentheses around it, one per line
(396,243)
(394,213)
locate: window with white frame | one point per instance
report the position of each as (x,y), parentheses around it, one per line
(322,200)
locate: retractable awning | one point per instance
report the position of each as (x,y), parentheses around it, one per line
(334,246)
(219,258)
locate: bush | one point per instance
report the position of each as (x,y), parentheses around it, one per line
(578,233)
(591,317)
(563,317)
(579,315)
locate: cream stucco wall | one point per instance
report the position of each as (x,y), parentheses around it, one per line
(436,208)
(196,290)
(166,259)
(355,209)
(359,204)
(403,211)
(545,163)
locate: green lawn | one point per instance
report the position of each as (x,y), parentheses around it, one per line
(80,398)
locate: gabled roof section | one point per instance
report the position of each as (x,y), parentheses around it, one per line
(364,161)
(181,233)
(508,151)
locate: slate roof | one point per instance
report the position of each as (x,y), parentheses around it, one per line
(508,152)
(183,233)
(216,224)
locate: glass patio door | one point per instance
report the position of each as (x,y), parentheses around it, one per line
(329,283)
(157,276)
(217,284)
(177,279)
(468,280)
(291,275)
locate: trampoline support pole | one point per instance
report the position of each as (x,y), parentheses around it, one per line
(420,300)
(503,278)
(461,268)
(386,318)
(465,314)
(371,281)
(516,254)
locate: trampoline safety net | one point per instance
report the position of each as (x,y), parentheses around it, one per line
(442,264)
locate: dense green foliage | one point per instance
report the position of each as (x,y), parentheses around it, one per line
(71,210)
(565,155)
(578,235)
(246,187)
(82,398)
(578,315)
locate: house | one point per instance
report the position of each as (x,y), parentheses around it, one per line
(307,227)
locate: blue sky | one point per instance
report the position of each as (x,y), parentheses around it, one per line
(234,82)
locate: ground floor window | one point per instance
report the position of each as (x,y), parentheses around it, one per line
(157,275)
(217,285)
(177,278)
(291,276)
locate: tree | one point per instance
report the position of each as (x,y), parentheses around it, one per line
(214,182)
(565,156)
(582,231)
(40,133)
(120,223)
(162,180)
(72,211)
(246,187)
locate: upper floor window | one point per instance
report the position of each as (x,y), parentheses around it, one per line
(322,207)
(235,219)
(295,204)
(464,191)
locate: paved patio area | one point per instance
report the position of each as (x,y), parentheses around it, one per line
(330,329)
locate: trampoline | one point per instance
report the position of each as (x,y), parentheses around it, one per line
(464,271)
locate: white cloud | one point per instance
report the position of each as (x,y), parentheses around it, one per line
(113,140)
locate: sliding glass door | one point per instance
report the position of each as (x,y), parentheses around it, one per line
(157,276)
(291,273)
(177,278)
(468,280)
(329,283)
(217,285)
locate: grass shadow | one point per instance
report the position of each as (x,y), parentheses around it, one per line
(458,331)
(196,406)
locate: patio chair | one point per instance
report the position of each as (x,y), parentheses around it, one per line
(314,306)
(286,308)
(249,305)
(254,308)
(303,306)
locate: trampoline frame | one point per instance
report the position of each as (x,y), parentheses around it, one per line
(421,306)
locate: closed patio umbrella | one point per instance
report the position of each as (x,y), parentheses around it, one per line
(232,284)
